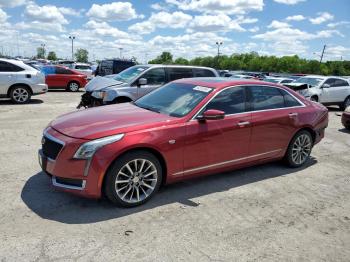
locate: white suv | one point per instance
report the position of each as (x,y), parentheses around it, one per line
(328,90)
(19,81)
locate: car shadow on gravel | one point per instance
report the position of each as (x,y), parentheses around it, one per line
(51,204)
(344,130)
(8,102)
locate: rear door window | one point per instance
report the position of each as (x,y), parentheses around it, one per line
(8,67)
(341,82)
(265,97)
(178,73)
(62,71)
(199,72)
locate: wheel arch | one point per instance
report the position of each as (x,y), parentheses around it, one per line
(19,84)
(122,99)
(148,149)
(306,128)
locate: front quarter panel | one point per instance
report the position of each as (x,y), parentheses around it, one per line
(168,141)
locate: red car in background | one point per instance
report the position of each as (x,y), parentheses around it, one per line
(187,128)
(60,77)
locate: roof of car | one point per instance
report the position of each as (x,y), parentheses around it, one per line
(221,82)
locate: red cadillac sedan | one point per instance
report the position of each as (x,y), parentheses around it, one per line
(185,129)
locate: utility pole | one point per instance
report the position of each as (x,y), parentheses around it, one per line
(72,38)
(324,48)
(43,47)
(120,52)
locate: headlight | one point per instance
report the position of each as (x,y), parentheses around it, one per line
(347,109)
(88,149)
(99,94)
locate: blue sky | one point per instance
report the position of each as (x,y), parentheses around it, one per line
(186,28)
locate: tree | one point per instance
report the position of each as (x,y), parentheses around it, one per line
(82,55)
(40,52)
(52,56)
(164,58)
(181,61)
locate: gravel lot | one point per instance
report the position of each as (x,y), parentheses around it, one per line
(264,213)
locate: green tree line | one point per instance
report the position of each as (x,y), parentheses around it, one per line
(254,62)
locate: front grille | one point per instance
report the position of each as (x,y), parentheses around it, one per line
(51,148)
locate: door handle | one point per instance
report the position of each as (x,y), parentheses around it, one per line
(293,115)
(243,123)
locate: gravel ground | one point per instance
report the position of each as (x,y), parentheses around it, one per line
(263,213)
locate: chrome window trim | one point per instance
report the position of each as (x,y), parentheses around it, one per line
(225,162)
(264,110)
(47,135)
(55,183)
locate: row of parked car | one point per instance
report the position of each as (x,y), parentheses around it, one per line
(20,81)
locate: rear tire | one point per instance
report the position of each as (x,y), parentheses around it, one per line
(345,104)
(314,98)
(133,179)
(73,86)
(299,149)
(20,94)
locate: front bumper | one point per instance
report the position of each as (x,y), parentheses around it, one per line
(87,101)
(39,89)
(81,177)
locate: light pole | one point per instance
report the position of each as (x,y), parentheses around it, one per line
(72,38)
(120,52)
(219,44)
(43,47)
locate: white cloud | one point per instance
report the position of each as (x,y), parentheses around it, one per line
(104,29)
(69,11)
(210,23)
(341,23)
(116,11)
(219,6)
(337,52)
(46,13)
(254,29)
(12,3)
(321,18)
(296,18)
(162,20)
(277,24)
(40,26)
(159,7)
(3,16)
(289,2)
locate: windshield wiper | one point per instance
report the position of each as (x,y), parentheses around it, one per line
(153,109)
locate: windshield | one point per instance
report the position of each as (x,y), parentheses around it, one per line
(174,99)
(309,80)
(129,74)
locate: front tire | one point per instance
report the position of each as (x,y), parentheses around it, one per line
(345,104)
(73,86)
(20,94)
(299,149)
(133,179)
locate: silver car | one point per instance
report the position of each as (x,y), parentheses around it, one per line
(137,81)
(19,81)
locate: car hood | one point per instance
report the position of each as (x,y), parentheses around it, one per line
(109,120)
(100,82)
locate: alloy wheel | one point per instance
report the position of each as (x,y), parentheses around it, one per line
(73,87)
(136,180)
(20,95)
(301,149)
